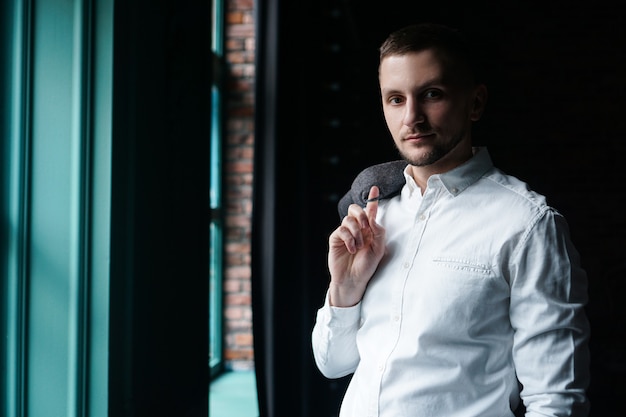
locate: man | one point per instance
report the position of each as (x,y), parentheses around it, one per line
(455,291)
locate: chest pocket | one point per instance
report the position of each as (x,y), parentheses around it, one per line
(463,265)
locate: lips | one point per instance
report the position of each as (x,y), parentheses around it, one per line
(419,136)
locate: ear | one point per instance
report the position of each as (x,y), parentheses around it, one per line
(480,101)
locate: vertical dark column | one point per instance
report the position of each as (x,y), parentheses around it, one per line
(160,213)
(263,244)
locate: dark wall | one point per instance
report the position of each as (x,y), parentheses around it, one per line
(555,119)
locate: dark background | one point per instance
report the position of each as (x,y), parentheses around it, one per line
(555,118)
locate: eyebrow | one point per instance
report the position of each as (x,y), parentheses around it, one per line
(430,83)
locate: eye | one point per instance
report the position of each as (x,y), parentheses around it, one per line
(395,100)
(432,94)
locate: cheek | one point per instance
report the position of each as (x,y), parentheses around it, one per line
(447,116)
(438,112)
(393,118)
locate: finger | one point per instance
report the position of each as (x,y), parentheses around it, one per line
(371,208)
(358,214)
(344,236)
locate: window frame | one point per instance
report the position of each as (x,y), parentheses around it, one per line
(216,316)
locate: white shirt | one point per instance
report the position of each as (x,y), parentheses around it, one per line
(480,286)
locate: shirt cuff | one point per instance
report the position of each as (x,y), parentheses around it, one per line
(341,316)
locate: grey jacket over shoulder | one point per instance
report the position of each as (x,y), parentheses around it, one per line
(388,176)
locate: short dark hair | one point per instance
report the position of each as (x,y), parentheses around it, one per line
(452,45)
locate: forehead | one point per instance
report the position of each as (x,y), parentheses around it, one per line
(417,68)
(413,65)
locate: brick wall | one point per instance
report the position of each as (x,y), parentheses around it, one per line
(239,151)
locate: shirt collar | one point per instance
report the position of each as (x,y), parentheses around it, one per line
(461,177)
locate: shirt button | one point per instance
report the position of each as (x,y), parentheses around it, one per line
(396,318)
(422,217)
(405,265)
(454,190)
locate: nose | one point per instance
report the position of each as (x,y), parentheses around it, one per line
(413,113)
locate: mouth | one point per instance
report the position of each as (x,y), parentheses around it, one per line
(419,136)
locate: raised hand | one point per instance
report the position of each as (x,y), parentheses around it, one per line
(355,250)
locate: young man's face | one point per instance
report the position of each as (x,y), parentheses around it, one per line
(428,113)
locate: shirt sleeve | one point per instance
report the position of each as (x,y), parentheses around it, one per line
(548,296)
(334,339)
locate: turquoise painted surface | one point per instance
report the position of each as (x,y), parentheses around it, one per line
(56,206)
(234,394)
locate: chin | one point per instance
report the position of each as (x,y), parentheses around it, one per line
(421,159)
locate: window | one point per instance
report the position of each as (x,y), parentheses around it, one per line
(104,226)
(54,205)
(216,227)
